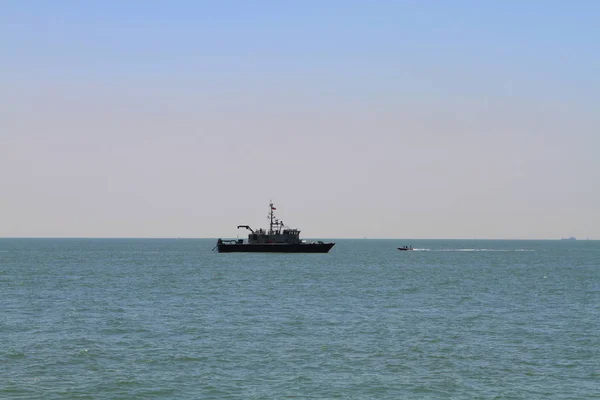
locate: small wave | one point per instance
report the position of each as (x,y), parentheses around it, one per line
(185,358)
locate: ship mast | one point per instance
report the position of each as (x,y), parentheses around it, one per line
(274,221)
(271,216)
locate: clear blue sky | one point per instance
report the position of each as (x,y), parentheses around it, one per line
(407,119)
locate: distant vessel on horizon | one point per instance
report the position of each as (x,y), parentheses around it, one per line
(568,238)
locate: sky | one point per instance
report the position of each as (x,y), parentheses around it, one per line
(383,119)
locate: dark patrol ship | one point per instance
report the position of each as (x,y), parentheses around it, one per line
(278,239)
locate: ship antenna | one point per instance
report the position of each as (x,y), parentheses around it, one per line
(271,216)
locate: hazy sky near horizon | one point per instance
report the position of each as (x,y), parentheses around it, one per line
(399,119)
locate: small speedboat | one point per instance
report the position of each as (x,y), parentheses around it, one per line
(405,248)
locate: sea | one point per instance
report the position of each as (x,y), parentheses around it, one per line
(173,319)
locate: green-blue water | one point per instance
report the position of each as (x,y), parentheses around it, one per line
(150,319)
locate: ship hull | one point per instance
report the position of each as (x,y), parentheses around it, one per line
(275,248)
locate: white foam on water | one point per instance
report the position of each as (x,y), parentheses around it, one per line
(485,250)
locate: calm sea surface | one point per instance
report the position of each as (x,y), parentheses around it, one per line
(154,319)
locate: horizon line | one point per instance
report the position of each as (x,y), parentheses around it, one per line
(327,238)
